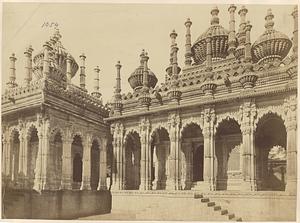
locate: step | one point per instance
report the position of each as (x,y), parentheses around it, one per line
(197,196)
(231,216)
(211,204)
(204,200)
(224,211)
(217,208)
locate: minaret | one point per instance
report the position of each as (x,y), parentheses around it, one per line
(96,92)
(46,60)
(82,70)
(174,92)
(241,37)
(188,43)
(249,78)
(174,60)
(69,75)
(144,98)
(248,57)
(173,36)
(28,65)
(295,32)
(12,72)
(117,94)
(208,52)
(231,38)
(145,59)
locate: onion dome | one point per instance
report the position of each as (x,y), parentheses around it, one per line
(136,78)
(272,44)
(57,60)
(219,41)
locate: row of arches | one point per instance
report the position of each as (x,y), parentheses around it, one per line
(270,155)
(55,160)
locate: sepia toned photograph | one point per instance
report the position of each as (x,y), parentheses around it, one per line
(115,111)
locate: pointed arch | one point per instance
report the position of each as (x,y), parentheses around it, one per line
(228,144)
(270,144)
(95,162)
(132,157)
(32,151)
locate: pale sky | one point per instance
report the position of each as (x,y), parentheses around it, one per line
(107,33)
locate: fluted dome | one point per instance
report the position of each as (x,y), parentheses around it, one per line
(272,44)
(136,78)
(57,60)
(219,41)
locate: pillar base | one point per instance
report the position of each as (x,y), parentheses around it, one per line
(291,186)
(170,185)
(85,186)
(66,185)
(249,185)
(203,186)
(102,187)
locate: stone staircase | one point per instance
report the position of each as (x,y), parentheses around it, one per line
(197,208)
(217,208)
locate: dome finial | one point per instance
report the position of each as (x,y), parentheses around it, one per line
(142,57)
(215,19)
(269,20)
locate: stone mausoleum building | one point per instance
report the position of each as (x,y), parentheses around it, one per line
(221,126)
(53,133)
(226,120)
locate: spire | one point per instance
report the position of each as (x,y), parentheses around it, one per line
(118,79)
(188,44)
(231,38)
(145,59)
(241,35)
(269,20)
(174,92)
(208,52)
(174,50)
(173,36)
(46,61)
(69,75)
(248,28)
(215,19)
(12,72)
(117,108)
(96,92)
(142,57)
(242,12)
(28,65)
(82,70)
(295,32)
(175,64)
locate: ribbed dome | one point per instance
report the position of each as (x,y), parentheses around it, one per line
(136,78)
(271,44)
(58,63)
(219,41)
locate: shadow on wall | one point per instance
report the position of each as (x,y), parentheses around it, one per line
(22,204)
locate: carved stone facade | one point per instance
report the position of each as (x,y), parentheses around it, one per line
(53,133)
(212,125)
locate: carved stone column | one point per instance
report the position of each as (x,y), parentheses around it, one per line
(23,178)
(66,179)
(145,155)
(118,159)
(209,149)
(291,158)
(102,172)
(86,165)
(41,178)
(174,174)
(249,156)
(5,155)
